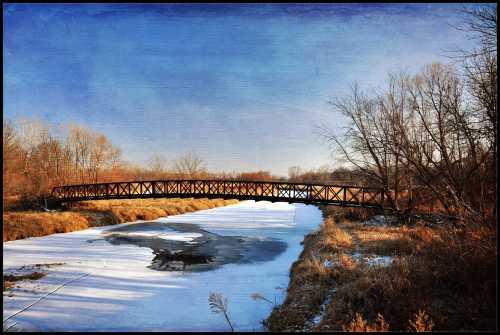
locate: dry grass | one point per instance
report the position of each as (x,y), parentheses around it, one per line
(19,225)
(384,240)
(148,209)
(10,280)
(310,280)
(333,238)
(347,214)
(358,324)
(441,279)
(85,214)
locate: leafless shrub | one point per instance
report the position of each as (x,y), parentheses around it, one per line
(422,322)
(190,165)
(359,324)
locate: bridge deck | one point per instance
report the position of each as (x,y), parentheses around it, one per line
(273,191)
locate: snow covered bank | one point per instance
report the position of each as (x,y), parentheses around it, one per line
(109,287)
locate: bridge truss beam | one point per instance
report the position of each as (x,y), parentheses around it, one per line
(342,195)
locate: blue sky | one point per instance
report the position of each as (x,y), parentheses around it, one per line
(242,86)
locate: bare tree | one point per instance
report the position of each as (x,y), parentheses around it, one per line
(480,71)
(481,25)
(91,153)
(435,131)
(157,165)
(441,138)
(80,141)
(102,155)
(12,160)
(294,172)
(190,165)
(420,127)
(365,141)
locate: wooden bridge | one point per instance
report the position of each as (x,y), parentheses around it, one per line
(341,195)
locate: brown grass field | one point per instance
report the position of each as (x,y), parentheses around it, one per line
(440,279)
(82,215)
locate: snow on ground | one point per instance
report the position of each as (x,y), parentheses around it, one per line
(261,215)
(319,317)
(373,260)
(109,287)
(380,220)
(173,236)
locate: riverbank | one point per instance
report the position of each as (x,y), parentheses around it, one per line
(85,214)
(360,274)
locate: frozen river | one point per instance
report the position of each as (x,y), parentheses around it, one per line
(111,287)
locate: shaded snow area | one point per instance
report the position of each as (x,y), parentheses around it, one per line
(319,317)
(380,220)
(373,260)
(98,284)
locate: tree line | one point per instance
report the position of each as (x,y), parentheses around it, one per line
(38,156)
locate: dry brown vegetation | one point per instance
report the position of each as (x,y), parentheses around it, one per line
(310,281)
(148,209)
(441,278)
(429,140)
(19,225)
(85,214)
(9,279)
(385,240)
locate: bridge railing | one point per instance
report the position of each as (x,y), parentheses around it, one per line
(273,191)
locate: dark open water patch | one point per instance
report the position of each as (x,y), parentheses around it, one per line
(203,253)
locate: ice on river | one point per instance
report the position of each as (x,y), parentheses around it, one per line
(173,236)
(113,289)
